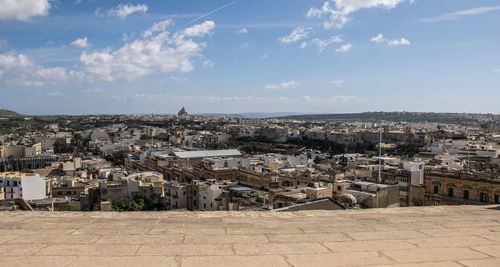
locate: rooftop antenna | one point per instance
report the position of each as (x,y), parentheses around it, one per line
(468,154)
(380,157)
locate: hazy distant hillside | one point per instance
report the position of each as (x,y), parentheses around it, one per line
(398,116)
(5,113)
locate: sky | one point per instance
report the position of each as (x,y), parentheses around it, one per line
(224,56)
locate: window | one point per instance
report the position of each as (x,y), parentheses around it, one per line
(204,205)
(436,189)
(497,199)
(15,183)
(483,197)
(466,194)
(450,192)
(211,205)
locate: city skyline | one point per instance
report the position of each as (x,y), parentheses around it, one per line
(338,56)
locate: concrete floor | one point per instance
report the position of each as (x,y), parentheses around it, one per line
(428,236)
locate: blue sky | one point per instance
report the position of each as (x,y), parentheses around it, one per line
(314,56)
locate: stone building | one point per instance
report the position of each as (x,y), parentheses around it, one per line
(444,187)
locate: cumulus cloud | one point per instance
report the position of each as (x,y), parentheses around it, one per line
(344,48)
(284,85)
(398,42)
(336,12)
(23,9)
(158,51)
(243,30)
(379,38)
(322,44)
(124,10)
(160,26)
(200,29)
(297,34)
(19,70)
(81,42)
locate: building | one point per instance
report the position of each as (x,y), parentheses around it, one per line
(176,195)
(182,114)
(372,195)
(186,159)
(23,185)
(448,187)
(209,195)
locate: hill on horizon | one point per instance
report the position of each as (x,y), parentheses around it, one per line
(5,113)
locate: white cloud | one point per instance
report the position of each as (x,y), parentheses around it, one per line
(243,30)
(323,44)
(338,83)
(461,13)
(23,10)
(398,42)
(344,48)
(200,29)
(284,85)
(81,42)
(18,70)
(157,27)
(207,64)
(244,45)
(156,52)
(297,34)
(336,12)
(124,10)
(379,38)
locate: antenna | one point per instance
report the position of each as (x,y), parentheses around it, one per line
(468,154)
(380,156)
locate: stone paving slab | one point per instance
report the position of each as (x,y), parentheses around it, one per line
(420,236)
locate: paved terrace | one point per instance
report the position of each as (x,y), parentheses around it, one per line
(430,236)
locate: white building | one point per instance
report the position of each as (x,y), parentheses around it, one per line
(209,195)
(23,185)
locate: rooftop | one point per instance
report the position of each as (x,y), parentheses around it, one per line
(424,236)
(208,153)
(15,174)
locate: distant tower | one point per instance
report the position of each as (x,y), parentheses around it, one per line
(182,113)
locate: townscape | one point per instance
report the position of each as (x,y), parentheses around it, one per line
(224,163)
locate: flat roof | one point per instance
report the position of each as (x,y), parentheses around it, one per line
(207,153)
(16,174)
